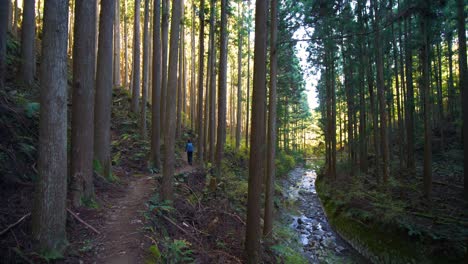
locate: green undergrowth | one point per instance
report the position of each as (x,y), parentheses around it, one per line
(383,228)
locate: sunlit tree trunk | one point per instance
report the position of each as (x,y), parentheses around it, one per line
(136,59)
(146,58)
(221,133)
(49,206)
(271,144)
(212,85)
(239,77)
(116,71)
(201,134)
(256,173)
(181,82)
(28,39)
(155,106)
(102,115)
(82,132)
(169,136)
(164,40)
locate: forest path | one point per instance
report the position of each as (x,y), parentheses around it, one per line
(122,237)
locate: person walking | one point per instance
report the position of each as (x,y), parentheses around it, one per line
(189,150)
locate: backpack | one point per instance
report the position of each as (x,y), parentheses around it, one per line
(189,147)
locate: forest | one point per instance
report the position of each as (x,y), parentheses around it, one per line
(193,131)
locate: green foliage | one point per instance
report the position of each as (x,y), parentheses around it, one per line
(177,251)
(287,247)
(284,163)
(90,203)
(154,256)
(158,207)
(32,109)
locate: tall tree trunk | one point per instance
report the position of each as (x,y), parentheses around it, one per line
(164,40)
(15,18)
(49,206)
(192,72)
(362,102)
(450,87)
(155,106)
(212,97)
(4,5)
(201,39)
(221,137)
(256,173)
(103,105)
(136,59)
(126,70)
(28,39)
(410,97)
(116,71)
(181,83)
(247,108)
(82,133)
(463,73)
(146,58)
(397,88)
(239,77)
(271,145)
(425,61)
(169,136)
(381,95)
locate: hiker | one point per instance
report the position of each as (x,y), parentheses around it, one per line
(189,150)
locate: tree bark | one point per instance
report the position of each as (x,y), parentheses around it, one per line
(409,98)
(49,206)
(169,136)
(103,105)
(381,96)
(126,70)
(4,5)
(271,145)
(116,71)
(221,137)
(247,109)
(256,173)
(426,89)
(212,85)
(28,39)
(155,106)
(146,58)
(180,83)
(201,54)
(136,59)
(164,40)
(82,133)
(239,77)
(463,73)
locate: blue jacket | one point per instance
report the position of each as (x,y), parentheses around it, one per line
(189,147)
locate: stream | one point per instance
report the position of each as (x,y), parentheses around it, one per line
(320,243)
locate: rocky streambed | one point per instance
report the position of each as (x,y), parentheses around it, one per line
(320,243)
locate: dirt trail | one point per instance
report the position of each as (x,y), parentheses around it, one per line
(122,237)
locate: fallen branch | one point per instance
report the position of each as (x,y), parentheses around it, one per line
(233,215)
(83,222)
(176,225)
(15,224)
